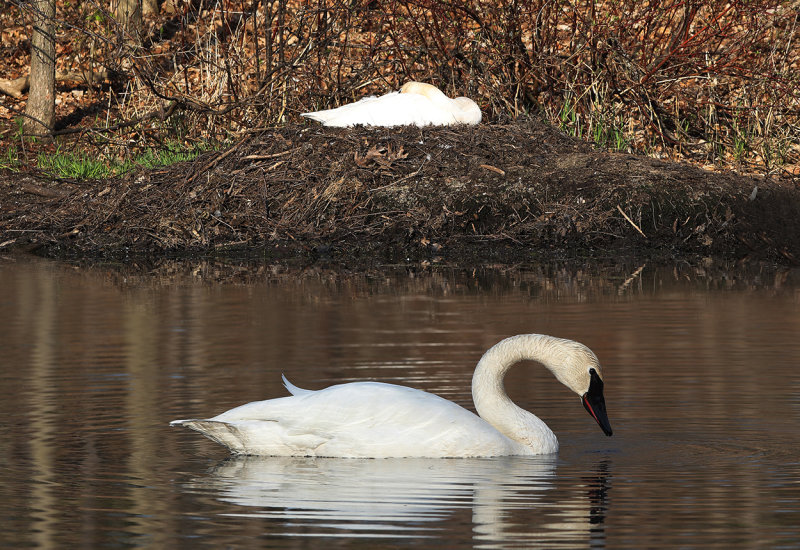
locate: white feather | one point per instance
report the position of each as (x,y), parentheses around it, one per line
(294,390)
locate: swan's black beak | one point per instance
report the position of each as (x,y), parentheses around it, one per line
(595,403)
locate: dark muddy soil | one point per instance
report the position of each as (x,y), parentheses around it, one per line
(499,193)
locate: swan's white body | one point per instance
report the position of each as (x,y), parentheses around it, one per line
(376,420)
(416,104)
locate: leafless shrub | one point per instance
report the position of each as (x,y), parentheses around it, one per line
(709,79)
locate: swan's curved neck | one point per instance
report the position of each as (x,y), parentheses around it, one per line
(491,400)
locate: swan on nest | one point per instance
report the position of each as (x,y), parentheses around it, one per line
(416,104)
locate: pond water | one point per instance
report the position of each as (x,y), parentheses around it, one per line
(701,385)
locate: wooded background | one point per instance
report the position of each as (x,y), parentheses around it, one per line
(715,82)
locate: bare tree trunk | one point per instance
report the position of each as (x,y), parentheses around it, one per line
(150,7)
(41,106)
(128,14)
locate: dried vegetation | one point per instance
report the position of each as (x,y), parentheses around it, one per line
(716,82)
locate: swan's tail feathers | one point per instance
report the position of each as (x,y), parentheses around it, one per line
(318,116)
(223,433)
(294,390)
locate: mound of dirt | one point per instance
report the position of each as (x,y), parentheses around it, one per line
(514,192)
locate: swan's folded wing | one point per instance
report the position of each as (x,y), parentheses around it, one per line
(365,419)
(407,110)
(393,109)
(351,114)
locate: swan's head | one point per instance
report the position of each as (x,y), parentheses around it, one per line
(579,370)
(595,403)
(428,90)
(464,110)
(468,111)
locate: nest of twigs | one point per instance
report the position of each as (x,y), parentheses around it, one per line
(503,191)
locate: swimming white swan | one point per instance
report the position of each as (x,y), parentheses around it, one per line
(376,420)
(416,103)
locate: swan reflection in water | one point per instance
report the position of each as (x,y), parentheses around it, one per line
(511,499)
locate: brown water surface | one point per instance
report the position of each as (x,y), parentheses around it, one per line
(701,382)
